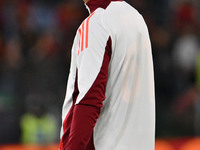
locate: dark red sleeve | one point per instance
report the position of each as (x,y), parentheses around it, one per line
(85,113)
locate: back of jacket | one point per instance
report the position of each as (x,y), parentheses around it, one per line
(127,117)
(127,120)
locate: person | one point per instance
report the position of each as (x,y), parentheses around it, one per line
(109,103)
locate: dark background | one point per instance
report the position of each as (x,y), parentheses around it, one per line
(36,37)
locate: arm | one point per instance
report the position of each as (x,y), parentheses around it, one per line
(87,111)
(92,74)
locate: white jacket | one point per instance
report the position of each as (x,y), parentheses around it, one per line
(127,118)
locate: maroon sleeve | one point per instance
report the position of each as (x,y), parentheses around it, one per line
(79,133)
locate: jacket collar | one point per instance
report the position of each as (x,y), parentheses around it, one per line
(92,5)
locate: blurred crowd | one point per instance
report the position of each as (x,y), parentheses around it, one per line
(35,47)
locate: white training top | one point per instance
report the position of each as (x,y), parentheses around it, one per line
(127,119)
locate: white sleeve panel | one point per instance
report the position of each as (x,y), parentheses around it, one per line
(70,85)
(89,57)
(71,80)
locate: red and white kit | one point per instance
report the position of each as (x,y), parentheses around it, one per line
(109,103)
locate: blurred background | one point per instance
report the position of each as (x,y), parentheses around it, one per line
(36,37)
